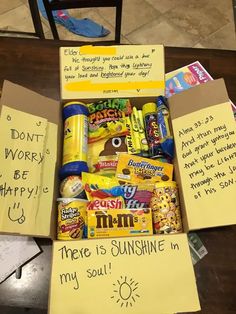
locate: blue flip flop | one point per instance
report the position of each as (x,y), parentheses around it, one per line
(83,27)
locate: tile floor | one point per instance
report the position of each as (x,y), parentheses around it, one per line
(181,23)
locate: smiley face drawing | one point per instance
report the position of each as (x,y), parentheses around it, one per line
(16,213)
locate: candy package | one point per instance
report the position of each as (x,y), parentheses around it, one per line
(102,192)
(72,218)
(103,165)
(107,118)
(165,208)
(98,152)
(135,169)
(119,223)
(137,195)
(106,193)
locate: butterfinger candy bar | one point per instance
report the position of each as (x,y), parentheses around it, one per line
(135,169)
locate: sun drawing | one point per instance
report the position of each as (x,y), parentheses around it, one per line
(125,291)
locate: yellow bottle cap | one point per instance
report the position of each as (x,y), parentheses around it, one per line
(149,108)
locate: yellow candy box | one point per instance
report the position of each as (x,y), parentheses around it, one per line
(136,169)
(119,223)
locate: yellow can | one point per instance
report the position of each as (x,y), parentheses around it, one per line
(71,218)
(165,208)
(75,145)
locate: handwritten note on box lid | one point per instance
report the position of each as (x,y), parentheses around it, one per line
(205,140)
(112,71)
(123,275)
(25,185)
(28,153)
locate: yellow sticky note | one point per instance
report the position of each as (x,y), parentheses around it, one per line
(133,275)
(206,151)
(43,216)
(22,146)
(115,71)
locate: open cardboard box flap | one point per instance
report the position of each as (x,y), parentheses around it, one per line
(204,132)
(25,100)
(201,96)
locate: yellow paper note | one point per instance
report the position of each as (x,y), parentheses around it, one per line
(124,275)
(43,215)
(117,71)
(22,145)
(206,150)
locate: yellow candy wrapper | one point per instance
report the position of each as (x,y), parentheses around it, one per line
(119,223)
(103,165)
(103,192)
(135,169)
(107,118)
(106,193)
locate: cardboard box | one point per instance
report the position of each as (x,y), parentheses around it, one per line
(90,274)
(100,267)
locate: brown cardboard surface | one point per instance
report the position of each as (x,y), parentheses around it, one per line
(23,99)
(20,98)
(199,97)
